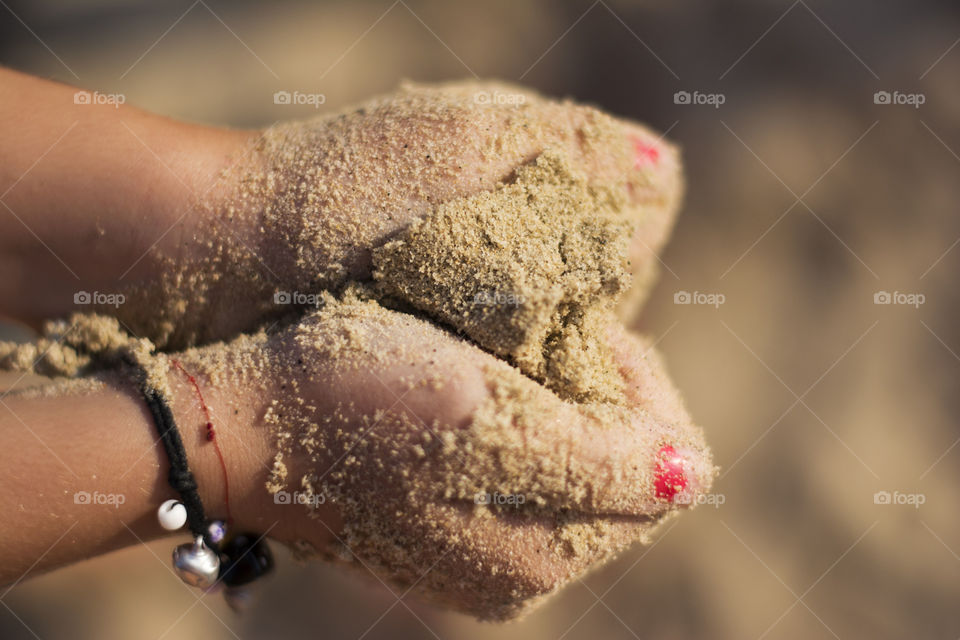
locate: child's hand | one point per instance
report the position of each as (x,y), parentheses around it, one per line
(389,428)
(192,231)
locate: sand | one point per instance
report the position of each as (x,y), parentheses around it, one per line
(82,346)
(530,272)
(449,248)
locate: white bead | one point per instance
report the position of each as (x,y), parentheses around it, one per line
(172,515)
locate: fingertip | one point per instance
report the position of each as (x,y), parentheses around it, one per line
(682,475)
(646,152)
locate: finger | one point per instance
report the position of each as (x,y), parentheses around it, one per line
(646,382)
(649,389)
(599,459)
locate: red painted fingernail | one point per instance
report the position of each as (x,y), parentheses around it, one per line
(644,153)
(670,477)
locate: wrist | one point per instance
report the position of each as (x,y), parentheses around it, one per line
(233,486)
(239,392)
(128,184)
(176,187)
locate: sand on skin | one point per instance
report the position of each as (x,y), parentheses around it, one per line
(530,270)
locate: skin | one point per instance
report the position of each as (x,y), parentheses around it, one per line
(115,187)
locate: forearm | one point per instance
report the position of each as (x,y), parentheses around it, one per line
(57,452)
(83,180)
(84,474)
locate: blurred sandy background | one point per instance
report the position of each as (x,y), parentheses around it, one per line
(805,199)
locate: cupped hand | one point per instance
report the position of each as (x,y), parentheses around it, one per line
(298,209)
(395,445)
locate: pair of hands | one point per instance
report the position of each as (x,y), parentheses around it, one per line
(180,209)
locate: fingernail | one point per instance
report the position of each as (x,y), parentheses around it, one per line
(645,152)
(681,476)
(670,476)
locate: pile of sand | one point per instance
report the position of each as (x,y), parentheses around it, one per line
(530,272)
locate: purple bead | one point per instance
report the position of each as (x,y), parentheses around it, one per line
(217,531)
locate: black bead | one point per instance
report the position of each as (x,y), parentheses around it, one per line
(244,558)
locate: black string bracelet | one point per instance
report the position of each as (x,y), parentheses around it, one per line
(213,556)
(180,477)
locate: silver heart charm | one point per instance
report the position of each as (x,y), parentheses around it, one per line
(196,564)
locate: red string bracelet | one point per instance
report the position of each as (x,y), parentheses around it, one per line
(211,434)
